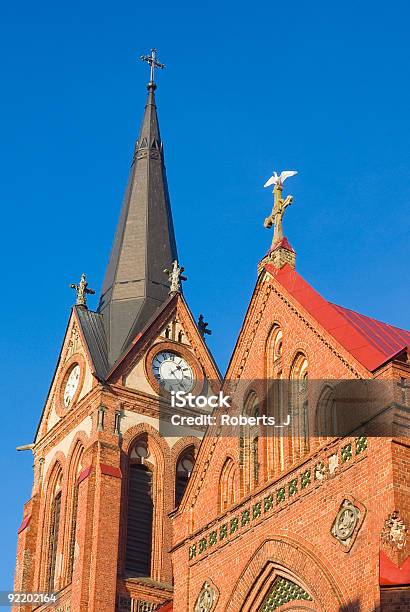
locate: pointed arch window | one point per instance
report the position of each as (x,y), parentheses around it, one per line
(54,529)
(139,513)
(326,415)
(249,444)
(276,388)
(275,352)
(185,465)
(277,345)
(299,406)
(75,470)
(228,492)
(73,531)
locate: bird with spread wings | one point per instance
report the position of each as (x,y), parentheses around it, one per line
(276,179)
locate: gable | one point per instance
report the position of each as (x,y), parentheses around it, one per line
(171,329)
(74,356)
(337,342)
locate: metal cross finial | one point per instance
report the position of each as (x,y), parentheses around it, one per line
(175,277)
(82,291)
(153,62)
(202,326)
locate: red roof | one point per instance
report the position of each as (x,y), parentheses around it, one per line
(371,342)
(284,243)
(166,607)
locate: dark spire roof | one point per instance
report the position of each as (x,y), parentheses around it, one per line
(144,245)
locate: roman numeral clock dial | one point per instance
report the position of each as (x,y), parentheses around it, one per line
(71,386)
(172,372)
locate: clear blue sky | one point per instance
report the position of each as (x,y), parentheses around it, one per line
(322,87)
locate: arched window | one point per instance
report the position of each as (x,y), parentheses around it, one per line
(185,465)
(275,405)
(53,539)
(326,423)
(275,353)
(249,445)
(299,406)
(278,345)
(75,470)
(228,485)
(140,512)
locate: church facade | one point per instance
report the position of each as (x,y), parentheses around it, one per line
(125,516)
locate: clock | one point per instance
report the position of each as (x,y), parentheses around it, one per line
(172,372)
(71,385)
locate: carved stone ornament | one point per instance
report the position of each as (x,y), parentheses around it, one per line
(206,599)
(74,343)
(345,522)
(394,531)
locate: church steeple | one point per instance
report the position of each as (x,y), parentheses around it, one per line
(135,284)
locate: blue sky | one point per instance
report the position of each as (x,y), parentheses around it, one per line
(321,87)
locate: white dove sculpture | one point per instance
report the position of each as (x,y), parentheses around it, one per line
(276,179)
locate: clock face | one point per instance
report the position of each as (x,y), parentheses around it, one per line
(71,385)
(172,372)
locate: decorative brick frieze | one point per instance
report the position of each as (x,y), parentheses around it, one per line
(285,491)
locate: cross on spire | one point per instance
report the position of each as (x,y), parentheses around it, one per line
(154,63)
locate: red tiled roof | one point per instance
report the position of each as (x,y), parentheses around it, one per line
(284,243)
(371,342)
(167,607)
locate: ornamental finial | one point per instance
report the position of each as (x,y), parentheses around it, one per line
(279,204)
(82,291)
(175,277)
(203,327)
(154,63)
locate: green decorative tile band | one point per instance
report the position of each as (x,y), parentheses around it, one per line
(256,510)
(361,444)
(305,479)
(192,551)
(280,495)
(347,453)
(293,486)
(245,518)
(268,503)
(317,473)
(202,545)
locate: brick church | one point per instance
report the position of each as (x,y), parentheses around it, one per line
(123,517)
